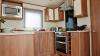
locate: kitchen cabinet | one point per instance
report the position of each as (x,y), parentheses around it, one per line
(80,44)
(54,14)
(17,45)
(16,1)
(44,44)
(31,44)
(95,22)
(80,8)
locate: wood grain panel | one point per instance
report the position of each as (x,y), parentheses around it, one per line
(15,1)
(75,44)
(45,44)
(17,45)
(95,15)
(80,8)
(80,44)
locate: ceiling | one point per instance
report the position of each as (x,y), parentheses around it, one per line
(47,3)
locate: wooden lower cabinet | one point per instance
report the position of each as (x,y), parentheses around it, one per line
(44,44)
(37,44)
(80,44)
(17,45)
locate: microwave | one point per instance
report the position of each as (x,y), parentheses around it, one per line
(11,11)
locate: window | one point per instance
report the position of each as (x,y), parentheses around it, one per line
(33,18)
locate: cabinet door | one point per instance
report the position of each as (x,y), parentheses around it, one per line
(80,8)
(74,44)
(80,44)
(61,15)
(95,15)
(51,14)
(45,44)
(21,45)
(46,14)
(56,14)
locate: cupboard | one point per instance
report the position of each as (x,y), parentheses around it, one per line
(80,8)
(16,1)
(36,44)
(80,44)
(95,22)
(44,44)
(16,45)
(54,14)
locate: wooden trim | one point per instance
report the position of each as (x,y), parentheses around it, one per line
(11,3)
(53,14)
(20,2)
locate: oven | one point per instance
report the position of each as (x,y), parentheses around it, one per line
(61,42)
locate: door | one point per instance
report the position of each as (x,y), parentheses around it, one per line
(13,45)
(75,44)
(95,18)
(45,44)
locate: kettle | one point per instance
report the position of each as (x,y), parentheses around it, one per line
(55,29)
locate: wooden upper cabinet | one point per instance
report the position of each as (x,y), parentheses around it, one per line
(61,14)
(80,8)
(16,1)
(54,14)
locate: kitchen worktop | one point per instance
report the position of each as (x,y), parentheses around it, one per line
(21,32)
(16,33)
(79,31)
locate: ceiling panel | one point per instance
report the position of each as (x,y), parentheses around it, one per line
(47,3)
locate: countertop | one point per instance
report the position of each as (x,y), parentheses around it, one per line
(21,32)
(16,33)
(79,31)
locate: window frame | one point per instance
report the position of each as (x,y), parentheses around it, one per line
(34,10)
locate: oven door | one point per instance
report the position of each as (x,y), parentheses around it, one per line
(61,47)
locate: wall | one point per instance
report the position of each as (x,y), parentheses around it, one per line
(85,20)
(20,23)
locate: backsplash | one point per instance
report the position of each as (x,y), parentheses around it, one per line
(13,24)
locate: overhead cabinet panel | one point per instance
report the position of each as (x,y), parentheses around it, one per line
(56,14)
(51,14)
(16,1)
(80,8)
(77,7)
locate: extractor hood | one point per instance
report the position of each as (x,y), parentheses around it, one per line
(67,5)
